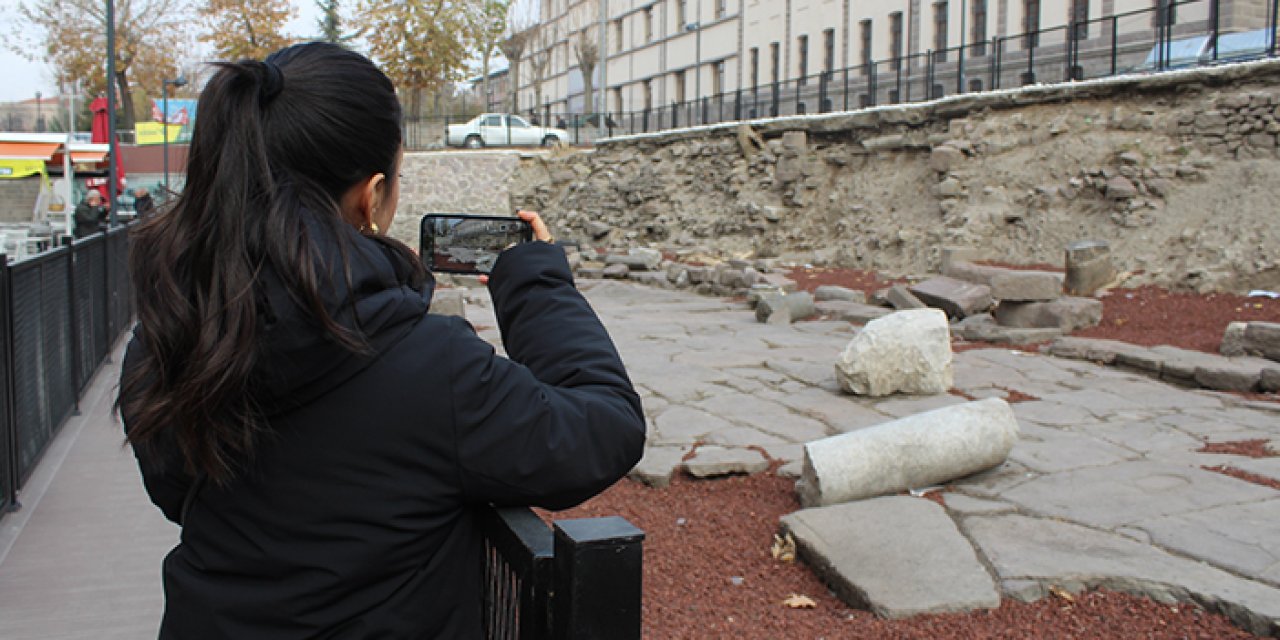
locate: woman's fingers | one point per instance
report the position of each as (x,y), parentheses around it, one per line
(540,231)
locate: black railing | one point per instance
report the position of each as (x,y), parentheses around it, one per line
(60,312)
(582,581)
(1169,35)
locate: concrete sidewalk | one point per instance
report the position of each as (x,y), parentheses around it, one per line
(81,559)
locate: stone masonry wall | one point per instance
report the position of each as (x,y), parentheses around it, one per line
(1179,172)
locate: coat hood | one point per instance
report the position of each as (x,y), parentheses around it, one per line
(298,360)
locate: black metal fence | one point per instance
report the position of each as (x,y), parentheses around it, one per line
(60,312)
(1171,35)
(582,581)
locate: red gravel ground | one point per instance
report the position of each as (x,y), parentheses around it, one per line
(709,573)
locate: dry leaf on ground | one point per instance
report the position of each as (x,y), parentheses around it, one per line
(797,601)
(1061,593)
(784,548)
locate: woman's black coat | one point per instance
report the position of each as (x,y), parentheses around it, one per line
(356,517)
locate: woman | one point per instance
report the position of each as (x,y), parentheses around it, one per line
(323,442)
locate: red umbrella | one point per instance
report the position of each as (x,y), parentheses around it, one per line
(99,135)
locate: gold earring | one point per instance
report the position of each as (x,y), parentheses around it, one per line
(373,226)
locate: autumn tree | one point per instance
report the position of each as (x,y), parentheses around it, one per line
(246,28)
(488,21)
(422,45)
(71,36)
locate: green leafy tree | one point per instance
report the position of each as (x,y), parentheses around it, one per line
(246,28)
(71,36)
(331,23)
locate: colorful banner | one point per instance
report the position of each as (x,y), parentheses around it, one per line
(11,169)
(182,112)
(153,133)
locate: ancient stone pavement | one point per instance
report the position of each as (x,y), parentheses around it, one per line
(1104,487)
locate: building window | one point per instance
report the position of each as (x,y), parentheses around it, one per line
(682,13)
(895,39)
(979,32)
(717,80)
(803,45)
(648,95)
(1030,24)
(617,35)
(648,24)
(829,50)
(755,67)
(864,37)
(721,8)
(940,31)
(1080,16)
(617,101)
(773,64)
(680,81)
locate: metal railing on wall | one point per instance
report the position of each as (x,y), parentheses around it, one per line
(1170,35)
(60,312)
(579,579)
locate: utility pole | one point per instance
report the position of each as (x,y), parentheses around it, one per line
(113,164)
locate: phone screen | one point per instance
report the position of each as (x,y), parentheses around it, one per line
(459,243)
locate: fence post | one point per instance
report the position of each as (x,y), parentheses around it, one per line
(72,308)
(871,85)
(1213,19)
(9,437)
(1114,29)
(1275,20)
(597,579)
(994,81)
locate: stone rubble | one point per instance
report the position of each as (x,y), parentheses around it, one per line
(903,352)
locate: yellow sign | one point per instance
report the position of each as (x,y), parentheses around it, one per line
(154,132)
(10,169)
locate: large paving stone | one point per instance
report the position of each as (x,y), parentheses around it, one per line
(685,425)
(831,292)
(712,461)
(1027,286)
(837,411)
(956,297)
(1088,267)
(1068,314)
(1050,450)
(1263,338)
(983,328)
(448,302)
(1130,492)
(1243,538)
(850,311)
(1054,552)
(1232,374)
(901,298)
(764,415)
(970,272)
(658,464)
(897,556)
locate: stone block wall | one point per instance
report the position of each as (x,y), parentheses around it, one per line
(453,182)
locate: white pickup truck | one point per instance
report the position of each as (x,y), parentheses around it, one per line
(498,129)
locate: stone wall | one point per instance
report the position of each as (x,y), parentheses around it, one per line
(476,182)
(1178,171)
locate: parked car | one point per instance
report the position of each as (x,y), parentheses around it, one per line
(1198,50)
(498,129)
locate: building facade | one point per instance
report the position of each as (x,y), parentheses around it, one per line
(664,52)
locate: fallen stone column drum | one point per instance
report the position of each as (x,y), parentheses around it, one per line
(916,451)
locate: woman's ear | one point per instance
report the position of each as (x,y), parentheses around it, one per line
(371,199)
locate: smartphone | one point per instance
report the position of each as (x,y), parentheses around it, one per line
(461,243)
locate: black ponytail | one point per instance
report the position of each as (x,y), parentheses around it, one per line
(276,145)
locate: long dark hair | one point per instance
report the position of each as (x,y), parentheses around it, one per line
(276,145)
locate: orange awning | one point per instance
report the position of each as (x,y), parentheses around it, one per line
(90,157)
(28,150)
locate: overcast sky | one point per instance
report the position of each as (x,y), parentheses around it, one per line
(23,78)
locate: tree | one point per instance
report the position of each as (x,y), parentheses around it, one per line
(488,20)
(545,36)
(513,48)
(588,53)
(422,45)
(330,23)
(71,36)
(246,28)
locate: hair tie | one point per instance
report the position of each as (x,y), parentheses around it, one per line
(272,84)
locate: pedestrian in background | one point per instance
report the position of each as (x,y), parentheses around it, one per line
(90,215)
(142,203)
